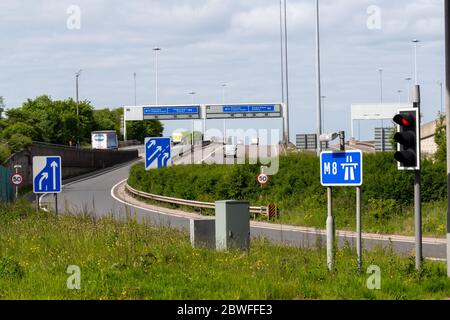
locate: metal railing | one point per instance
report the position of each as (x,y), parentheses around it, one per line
(188,203)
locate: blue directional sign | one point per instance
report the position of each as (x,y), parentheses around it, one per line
(171,112)
(249,108)
(341,169)
(47,177)
(157,153)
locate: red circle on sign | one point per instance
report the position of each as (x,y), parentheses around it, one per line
(262,178)
(17,179)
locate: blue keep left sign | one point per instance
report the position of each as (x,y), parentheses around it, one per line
(341,169)
(47,174)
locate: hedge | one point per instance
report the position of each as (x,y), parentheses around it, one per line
(298,180)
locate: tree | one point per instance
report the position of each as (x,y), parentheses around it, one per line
(51,121)
(139,130)
(440,137)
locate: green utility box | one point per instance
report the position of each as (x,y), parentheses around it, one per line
(232,225)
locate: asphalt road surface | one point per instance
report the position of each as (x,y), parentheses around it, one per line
(93,195)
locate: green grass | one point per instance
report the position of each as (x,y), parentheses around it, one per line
(127,260)
(387,194)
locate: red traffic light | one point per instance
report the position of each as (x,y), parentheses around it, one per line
(406,120)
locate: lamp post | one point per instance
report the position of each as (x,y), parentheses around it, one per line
(380,70)
(77,76)
(416,79)
(442,96)
(192,94)
(286,116)
(224,86)
(282,51)
(323,113)
(409,88)
(399,95)
(135,94)
(157,50)
(318,85)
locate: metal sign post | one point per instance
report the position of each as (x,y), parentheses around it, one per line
(330,230)
(342,169)
(358,228)
(47,177)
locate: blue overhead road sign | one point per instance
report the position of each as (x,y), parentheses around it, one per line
(47,177)
(171,110)
(341,169)
(157,153)
(249,108)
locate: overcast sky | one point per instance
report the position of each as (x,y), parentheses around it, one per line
(209,42)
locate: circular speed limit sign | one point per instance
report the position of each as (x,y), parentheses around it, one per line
(262,179)
(17,179)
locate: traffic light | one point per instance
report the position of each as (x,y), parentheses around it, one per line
(408,139)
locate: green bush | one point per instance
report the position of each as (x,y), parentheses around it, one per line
(297,181)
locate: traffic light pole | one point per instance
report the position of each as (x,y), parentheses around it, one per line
(447,58)
(417,191)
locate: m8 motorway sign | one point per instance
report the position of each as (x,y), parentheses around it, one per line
(341,169)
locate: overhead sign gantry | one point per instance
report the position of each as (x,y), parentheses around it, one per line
(236,111)
(206,111)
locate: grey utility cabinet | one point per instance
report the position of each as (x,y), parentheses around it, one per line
(232,225)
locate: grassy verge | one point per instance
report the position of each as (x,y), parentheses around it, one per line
(387,194)
(127,260)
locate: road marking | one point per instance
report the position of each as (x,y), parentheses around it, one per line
(147,209)
(215,150)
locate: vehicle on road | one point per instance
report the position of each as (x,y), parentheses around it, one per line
(230,150)
(177,138)
(105,140)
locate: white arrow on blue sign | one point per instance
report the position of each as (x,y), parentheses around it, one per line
(341,169)
(47,177)
(158,153)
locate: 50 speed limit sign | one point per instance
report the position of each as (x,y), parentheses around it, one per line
(262,179)
(17,179)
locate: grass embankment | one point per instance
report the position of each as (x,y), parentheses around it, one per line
(387,193)
(127,260)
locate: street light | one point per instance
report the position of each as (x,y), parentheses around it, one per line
(224,86)
(135,94)
(399,95)
(380,70)
(286,117)
(77,76)
(193,93)
(416,42)
(323,112)
(156,73)
(409,88)
(318,85)
(442,97)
